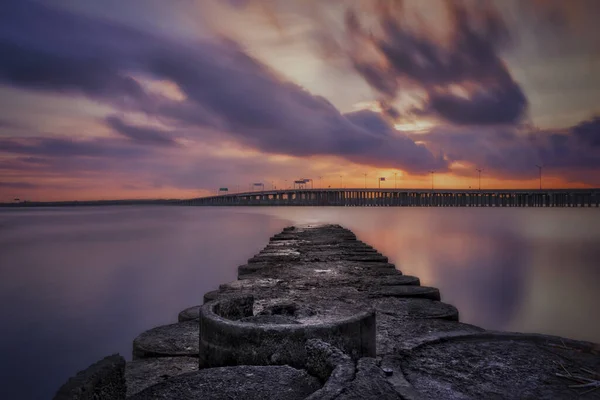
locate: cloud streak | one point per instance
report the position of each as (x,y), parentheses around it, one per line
(463,78)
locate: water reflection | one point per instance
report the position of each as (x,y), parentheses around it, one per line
(78,284)
(527,270)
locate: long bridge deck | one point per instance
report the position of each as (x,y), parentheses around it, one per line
(406,198)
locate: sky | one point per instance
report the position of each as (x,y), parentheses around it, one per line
(136,99)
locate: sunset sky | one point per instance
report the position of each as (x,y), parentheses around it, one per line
(173,99)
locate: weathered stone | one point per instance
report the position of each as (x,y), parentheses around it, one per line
(102,380)
(143,373)
(210,296)
(269,319)
(394,334)
(241,382)
(413,308)
(393,280)
(406,291)
(180,339)
(507,366)
(227,342)
(189,314)
(370,382)
(331,366)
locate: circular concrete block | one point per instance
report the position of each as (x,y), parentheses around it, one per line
(395,334)
(501,365)
(143,373)
(414,308)
(406,291)
(241,382)
(225,341)
(212,295)
(179,339)
(104,379)
(373,258)
(394,280)
(189,314)
(269,319)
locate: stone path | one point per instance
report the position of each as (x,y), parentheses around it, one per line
(322,315)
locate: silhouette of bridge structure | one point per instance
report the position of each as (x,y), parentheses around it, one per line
(406,198)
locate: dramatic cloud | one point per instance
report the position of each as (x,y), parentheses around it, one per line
(225,88)
(464,79)
(507,153)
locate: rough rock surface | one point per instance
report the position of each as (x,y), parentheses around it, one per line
(102,380)
(189,314)
(500,367)
(140,374)
(180,339)
(241,382)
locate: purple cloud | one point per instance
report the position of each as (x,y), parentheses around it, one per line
(143,135)
(412,58)
(507,153)
(226,89)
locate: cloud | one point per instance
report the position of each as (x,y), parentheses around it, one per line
(463,77)
(506,152)
(588,132)
(6,124)
(67,147)
(18,185)
(144,135)
(51,50)
(225,88)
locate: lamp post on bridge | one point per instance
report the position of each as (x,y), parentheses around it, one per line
(432,172)
(320,182)
(479,170)
(540,168)
(395,176)
(306,180)
(341,181)
(365,174)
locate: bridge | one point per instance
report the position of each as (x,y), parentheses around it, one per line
(405,198)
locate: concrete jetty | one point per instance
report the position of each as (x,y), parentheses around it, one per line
(318,314)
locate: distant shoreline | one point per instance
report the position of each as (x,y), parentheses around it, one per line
(74,203)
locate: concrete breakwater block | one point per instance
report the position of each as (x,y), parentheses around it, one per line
(102,380)
(396,333)
(241,382)
(501,365)
(143,373)
(229,342)
(180,339)
(406,291)
(212,295)
(414,308)
(189,314)
(393,280)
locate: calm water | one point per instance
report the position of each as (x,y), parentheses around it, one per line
(78,284)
